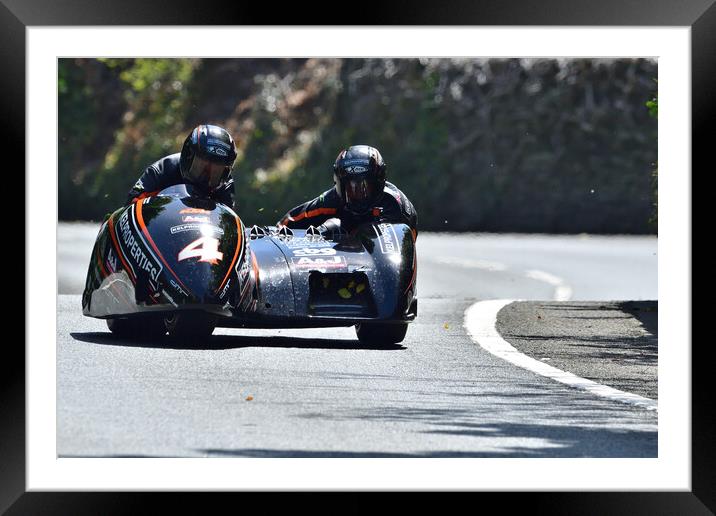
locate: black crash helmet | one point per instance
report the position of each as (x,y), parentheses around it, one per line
(207,156)
(359,174)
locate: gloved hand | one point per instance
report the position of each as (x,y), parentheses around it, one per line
(330,226)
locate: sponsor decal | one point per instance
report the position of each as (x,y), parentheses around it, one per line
(195,227)
(306,242)
(170,298)
(177,287)
(244,270)
(356,161)
(314,251)
(218,143)
(139,185)
(144,260)
(225,289)
(387,239)
(320,262)
(111,261)
(192,218)
(357,169)
(194,210)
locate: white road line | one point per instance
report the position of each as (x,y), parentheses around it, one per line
(562,292)
(469,262)
(480,323)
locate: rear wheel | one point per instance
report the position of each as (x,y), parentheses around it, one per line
(381,334)
(140,328)
(189,327)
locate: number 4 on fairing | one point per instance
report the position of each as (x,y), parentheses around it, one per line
(205,248)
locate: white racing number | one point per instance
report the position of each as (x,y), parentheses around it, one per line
(205,248)
(313,251)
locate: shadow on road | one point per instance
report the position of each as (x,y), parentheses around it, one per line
(505,438)
(223,342)
(562,441)
(646,312)
(584,428)
(483,420)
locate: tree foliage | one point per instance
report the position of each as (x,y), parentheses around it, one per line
(477,144)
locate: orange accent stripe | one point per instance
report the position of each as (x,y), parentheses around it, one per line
(119,251)
(126,267)
(144,195)
(138,205)
(239,245)
(313,213)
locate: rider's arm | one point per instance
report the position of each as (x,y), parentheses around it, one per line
(155,177)
(146,184)
(311,213)
(398,208)
(410,214)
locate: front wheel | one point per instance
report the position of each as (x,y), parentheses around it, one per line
(141,328)
(189,326)
(381,334)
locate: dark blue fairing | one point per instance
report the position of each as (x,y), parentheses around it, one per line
(336,279)
(167,252)
(178,251)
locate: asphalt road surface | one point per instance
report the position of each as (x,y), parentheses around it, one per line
(320,393)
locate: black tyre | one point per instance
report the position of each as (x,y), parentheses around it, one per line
(189,327)
(122,327)
(381,334)
(143,328)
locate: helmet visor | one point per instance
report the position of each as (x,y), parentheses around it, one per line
(207,173)
(360,192)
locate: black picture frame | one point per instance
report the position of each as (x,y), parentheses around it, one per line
(699,15)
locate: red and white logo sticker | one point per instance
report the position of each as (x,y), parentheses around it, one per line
(319,262)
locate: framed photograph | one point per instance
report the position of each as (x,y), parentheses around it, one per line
(528,139)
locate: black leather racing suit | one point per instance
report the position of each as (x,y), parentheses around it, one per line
(393,206)
(165,172)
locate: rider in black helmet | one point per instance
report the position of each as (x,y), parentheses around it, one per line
(205,162)
(360,194)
